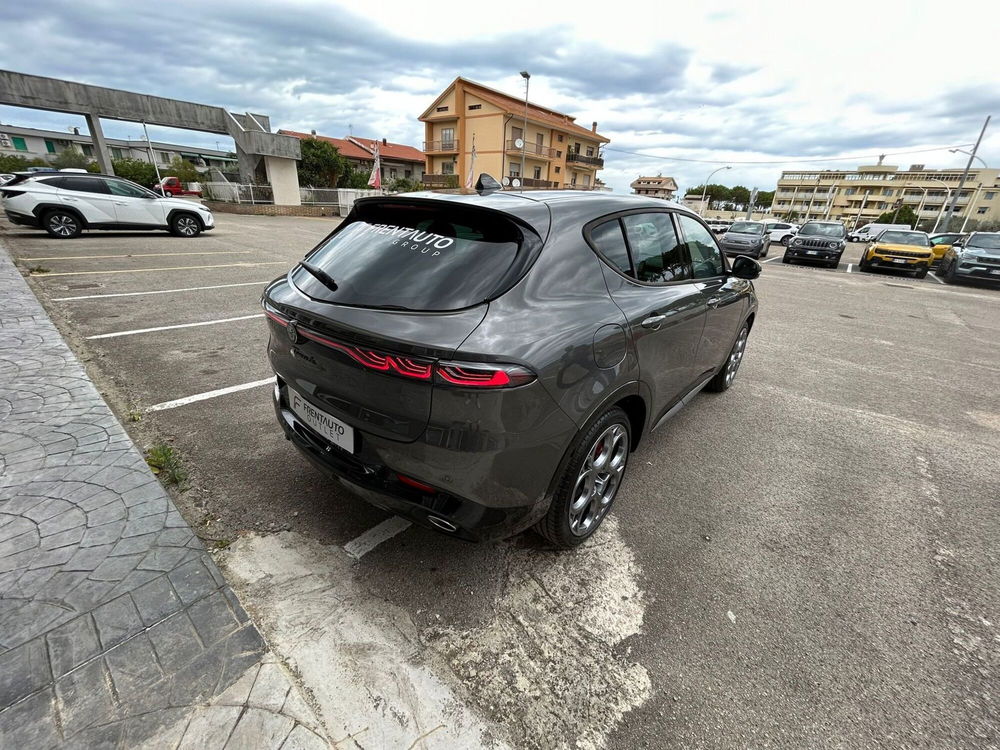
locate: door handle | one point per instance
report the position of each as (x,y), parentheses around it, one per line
(121,203)
(70,200)
(653,321)
(714,301)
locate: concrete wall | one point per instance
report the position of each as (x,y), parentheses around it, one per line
(284,179)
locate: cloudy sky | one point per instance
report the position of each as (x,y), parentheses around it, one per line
(679,89)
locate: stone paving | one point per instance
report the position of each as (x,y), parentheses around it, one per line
(116,627)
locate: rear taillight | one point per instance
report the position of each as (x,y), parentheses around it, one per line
(453,374)
(468,375)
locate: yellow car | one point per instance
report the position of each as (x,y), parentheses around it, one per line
(899,249)
(942,243)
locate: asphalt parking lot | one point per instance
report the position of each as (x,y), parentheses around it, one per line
(808,560)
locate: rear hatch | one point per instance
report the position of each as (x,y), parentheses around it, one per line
(392,292)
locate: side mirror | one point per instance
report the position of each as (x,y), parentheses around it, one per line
(745,267)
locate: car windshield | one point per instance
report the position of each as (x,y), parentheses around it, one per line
(985,241)
(822,230)
(945,239)
(905,238)
(746,227)
(414,257)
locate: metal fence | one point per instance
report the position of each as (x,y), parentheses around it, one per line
(234,192)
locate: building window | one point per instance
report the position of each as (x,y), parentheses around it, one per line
(586,180)
(447,138)
(559,138)
(989,196)
(886,191)
(982,209)
(475,106)
(407,173)
(116,153)
(576,147)
(392,173)
(590,150)
(516,133)
(558,170)
(441,109)
(447,167)
(515,169)
(558,154)
(87,149)
(19,143)
(164,157)
(50,146)
(850,191)
(538,173)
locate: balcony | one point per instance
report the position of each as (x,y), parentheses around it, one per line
(592,161)
(533,150)
(441,147)
(532,183)
(435,181)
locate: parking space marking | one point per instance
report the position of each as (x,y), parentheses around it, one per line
(168,268)
(776,257)
(936,278)
(849,267)
(209,394)
(372,538)
(137,255)
(116,334)
(157,291)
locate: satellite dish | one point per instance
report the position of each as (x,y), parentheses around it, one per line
(506,181)
(518,143)
(515,182)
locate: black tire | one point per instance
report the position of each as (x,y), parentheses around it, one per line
(763,251)
(560,525)
(183,224)
(948,277)
(862,265)
(723,380)
(63,225)
(786,240)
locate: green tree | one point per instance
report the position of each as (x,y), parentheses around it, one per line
(183,170)
(739,195)
(355,178)
(713,192)
(70,158)
(404,185)
(906,215)
(17,163)
(321,165)
(765,198)
(136,170)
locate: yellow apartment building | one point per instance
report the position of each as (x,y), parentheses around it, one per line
(858,197)
(557,152)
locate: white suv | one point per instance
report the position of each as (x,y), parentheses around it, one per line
(782,232)
(66,204)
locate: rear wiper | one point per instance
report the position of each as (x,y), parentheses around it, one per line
(327,280)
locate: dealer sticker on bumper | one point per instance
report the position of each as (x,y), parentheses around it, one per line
(331,428)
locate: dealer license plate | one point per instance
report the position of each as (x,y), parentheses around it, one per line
(331,428)
(812,252)
(898,260)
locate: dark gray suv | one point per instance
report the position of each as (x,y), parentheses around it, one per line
(484,362)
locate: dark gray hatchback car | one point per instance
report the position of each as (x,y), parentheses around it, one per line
(481,363)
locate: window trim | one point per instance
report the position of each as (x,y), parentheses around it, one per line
(619,215)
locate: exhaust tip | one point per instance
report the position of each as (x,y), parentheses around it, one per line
(442,524)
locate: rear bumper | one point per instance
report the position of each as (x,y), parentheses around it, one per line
(372,473)
(24,220)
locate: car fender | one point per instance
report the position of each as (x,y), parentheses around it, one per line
(42,208)
(174,211)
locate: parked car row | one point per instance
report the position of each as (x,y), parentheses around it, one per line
(976,256)
(66,204)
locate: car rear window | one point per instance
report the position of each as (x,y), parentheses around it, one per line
(430,257)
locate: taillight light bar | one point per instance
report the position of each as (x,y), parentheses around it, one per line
(453,374)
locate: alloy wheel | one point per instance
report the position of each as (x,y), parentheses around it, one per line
(63,225)
(187,226)
(599,479)
(736,357)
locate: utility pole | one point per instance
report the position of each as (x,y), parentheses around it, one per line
(965,174)
(524,136)
(152,158)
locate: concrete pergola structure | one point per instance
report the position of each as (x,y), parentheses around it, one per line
(251,132)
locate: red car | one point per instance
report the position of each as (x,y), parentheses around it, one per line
(173,187)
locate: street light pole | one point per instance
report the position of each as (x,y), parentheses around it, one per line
(947,195)
(704,187)
(963,151)
(972,204)
(965,174)
(524,135)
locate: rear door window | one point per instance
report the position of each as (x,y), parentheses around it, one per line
(610,241)
(84,185)
(431,257)
(656,251)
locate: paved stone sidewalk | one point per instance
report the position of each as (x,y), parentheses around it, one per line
(116,627)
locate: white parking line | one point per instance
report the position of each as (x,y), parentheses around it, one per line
(171,328)
(138,255)
(776,257)
(372,538)
(849,267)
(157,291)
(936,278)
(209,394)
(36,274)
